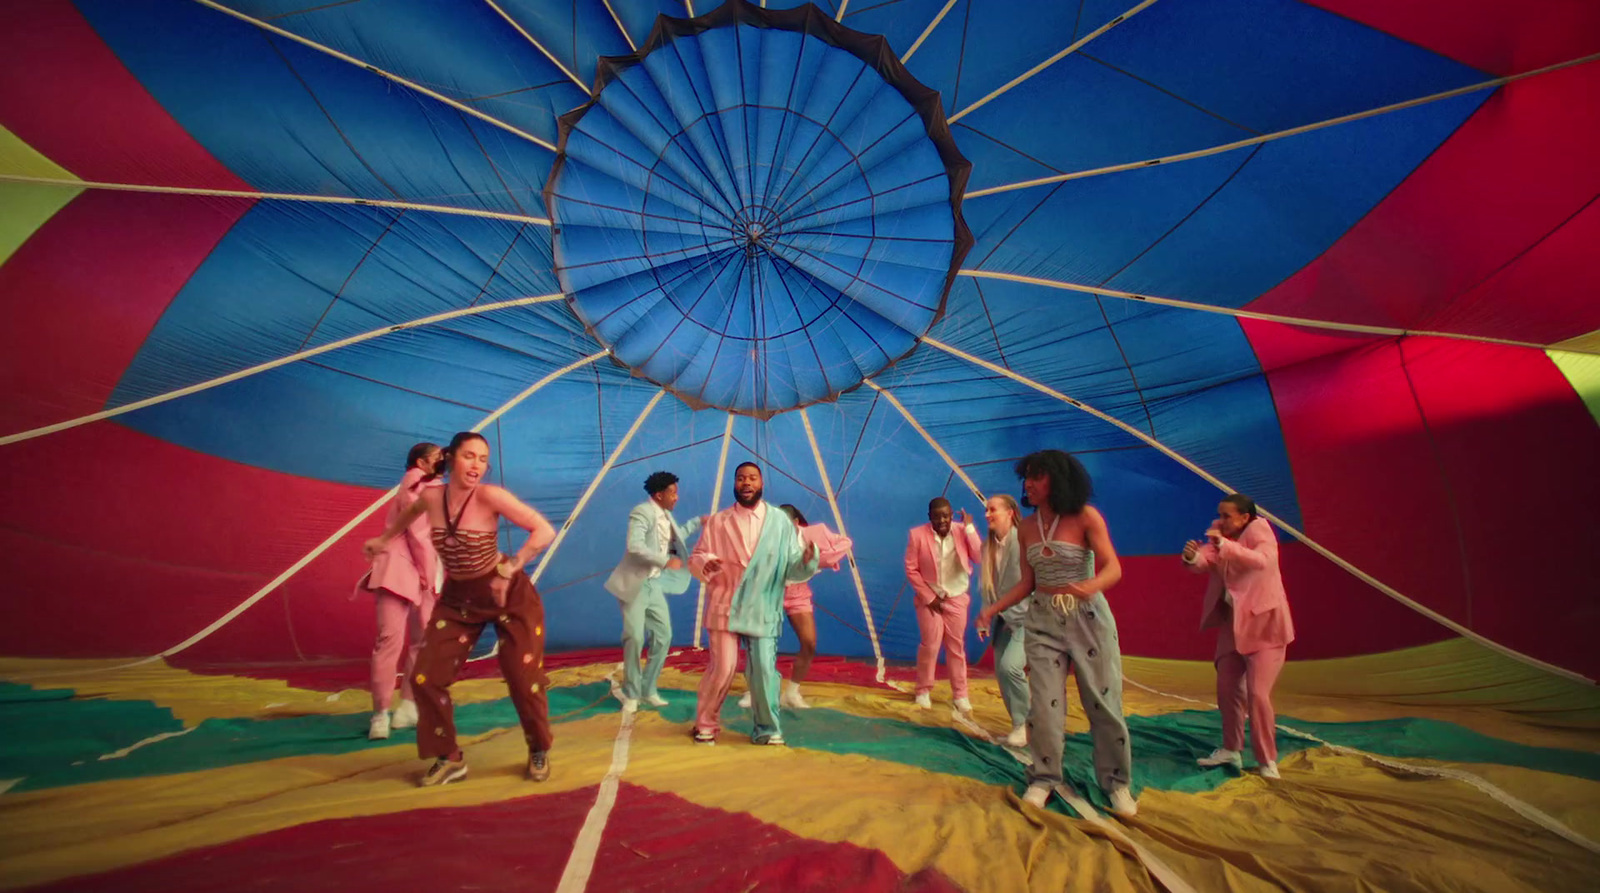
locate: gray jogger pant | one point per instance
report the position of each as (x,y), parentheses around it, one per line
(1086,642)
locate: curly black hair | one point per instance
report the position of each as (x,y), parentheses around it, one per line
(659,481)
(1070,484)
(794,513)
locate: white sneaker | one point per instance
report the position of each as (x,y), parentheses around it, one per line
(378,729)
(1222,757)
(1270,769)
(791,697)
(964,705)
(774,740)
(1018,737)
(1122,802)
(1037,795)
(405,716)
(656,701)
(924,702)
(747,701)
(629,705)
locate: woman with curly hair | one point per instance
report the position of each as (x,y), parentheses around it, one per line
(1070,563)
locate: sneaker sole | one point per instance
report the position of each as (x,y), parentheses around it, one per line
(451,776)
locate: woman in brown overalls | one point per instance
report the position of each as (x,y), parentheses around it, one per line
(481,586)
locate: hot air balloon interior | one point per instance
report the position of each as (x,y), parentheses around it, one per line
(854,445)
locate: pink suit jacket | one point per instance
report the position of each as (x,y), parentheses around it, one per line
(1247,569)
(831,550)
(922,557)
(406,565)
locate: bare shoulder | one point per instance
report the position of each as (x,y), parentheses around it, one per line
(499,497)
(1028,530)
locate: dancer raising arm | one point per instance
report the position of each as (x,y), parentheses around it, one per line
(1246,603)
(481,587)
(831,550)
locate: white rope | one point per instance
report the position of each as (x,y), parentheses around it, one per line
(949,5)
(580,863)
(273,364)
(1244,314)
(716,499)
(544,560)
(615,18)
(1519,806)
(273,196)
(1073,48)
(954,466)
(839,16)
(153,739)
(335,537)
(1296,533)
(537,45)
(1278,135)
(345,57)
(838,518)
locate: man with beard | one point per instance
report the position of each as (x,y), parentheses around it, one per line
(747,554)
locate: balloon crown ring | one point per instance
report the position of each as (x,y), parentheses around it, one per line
(759,209)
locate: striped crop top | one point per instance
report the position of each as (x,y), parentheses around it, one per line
(467,553)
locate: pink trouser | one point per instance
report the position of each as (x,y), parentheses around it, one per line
(945,626)
(395,615)
(1249,677)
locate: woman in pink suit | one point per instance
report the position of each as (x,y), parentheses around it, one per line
(1245,601)
(402,579)
(831,549)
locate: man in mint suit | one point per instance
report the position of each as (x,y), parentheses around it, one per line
(651,570)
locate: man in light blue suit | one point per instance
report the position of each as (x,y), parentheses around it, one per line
(651,570)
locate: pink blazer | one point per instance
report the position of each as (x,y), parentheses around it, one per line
(1247,569)
(922,557)
(406,565)
(720,537)
(831,550)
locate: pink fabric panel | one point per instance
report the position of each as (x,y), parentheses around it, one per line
(1518,170)
(63,92)
(1498,36)
(84,291)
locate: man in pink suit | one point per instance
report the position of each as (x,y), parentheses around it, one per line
(747,554)
(1246,603)
(939,559)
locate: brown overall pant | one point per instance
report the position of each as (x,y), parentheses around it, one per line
(464,607)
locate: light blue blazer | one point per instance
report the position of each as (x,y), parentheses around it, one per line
(647,554)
